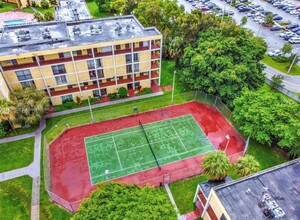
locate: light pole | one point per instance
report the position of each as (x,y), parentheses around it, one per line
(90,107)
(228,139)
(295,58)
(258,30)
(172,101)
(106,174)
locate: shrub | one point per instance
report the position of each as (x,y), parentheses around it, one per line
(2,131)
(44,4)
(66,101)
(78,100)
(247,165)
(48,16)
(112,96)
(38,16)
(122,92)
(52,2)
(1,4)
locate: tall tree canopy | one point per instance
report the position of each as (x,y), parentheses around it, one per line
(224,61)
(30,104)
(269,119)
(121,201)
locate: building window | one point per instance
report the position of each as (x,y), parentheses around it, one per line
(91,64)
(95,50)
(100,73)
(128,69)
(136,67)
(141,44)
(137,84)
(89,52)
(60,80)
(33,59)
(77,52)
(106,49)
(145,43)
(64,55)
(128,58)
(92,74)
(96,93)
(98,62)
(136,57)
(41,58)
(23,75)
(58,69)
(27,84)
(66,98)
(117,47)
(120,77)
(127,46)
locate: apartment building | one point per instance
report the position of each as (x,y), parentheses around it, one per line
(85,58)
(270,194)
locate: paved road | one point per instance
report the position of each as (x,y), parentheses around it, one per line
(272,38)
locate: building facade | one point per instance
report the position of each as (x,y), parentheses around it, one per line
(87,58)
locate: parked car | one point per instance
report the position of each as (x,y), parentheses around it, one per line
(291,26)
(294,40)
(295,29)
(277,18)
(275,28)
(294,12)
(274,53)
(284,33)
(288,36)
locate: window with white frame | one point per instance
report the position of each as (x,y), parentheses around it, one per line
(136,67)
(60,80)
(67,98)
(91,64)
(23,75)
(58,69)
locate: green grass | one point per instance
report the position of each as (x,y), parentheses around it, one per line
(283,67)
(183,191)
(15,198)
(145,92)
(43,11)
(20,131)
(93,8)
(167,73)
(16,154)
(8,7)
(28,10)
(126,151)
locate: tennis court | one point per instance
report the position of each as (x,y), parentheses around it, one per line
(123,152)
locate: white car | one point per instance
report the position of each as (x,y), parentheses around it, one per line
(274,53)
(294,12)
(284,33)
(294,40)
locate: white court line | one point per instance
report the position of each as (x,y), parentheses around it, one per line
(117,152)
(160,159)
(179,137)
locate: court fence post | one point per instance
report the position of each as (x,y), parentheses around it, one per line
(195,97)
(216,99)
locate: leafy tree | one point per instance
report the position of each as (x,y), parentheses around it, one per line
(103,5)
(287,48)
(269,18)
(269,119)
(121,201)
(30,105)
(216,165)
(48,16)
(53,2)
(44,4)
(122,92)
(1,4)
(277,81)
(176,49)
(2,131)
(244,21)
(224,62)
(124,7)
(247,165)
(38,16)
(6,112)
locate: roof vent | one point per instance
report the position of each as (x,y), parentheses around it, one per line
(118,27)
(76,30)
(46,33)
(23,35)
(96,29)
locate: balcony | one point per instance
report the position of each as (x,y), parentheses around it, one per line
(123,81)
(55,61)
(155,56)
(20,66)
(140,48)
(106,84)
(139,78)
(73,90)
(155,46)
(154,74)
(154,65)
(122,51)
(83,57)
(98,54)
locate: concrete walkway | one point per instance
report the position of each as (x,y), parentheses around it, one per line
(173,202)
(18,137)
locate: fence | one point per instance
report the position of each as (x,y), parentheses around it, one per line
(126,109)
(284,91)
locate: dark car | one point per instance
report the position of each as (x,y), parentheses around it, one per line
(280,6)
(285,7)
(271,1)
(275,28)
(295,29)
(288,36)
(277,18)
(298,33)
(243,9)
(291,26)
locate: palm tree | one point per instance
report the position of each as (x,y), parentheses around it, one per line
(247,165)
(216,165)
(6,110)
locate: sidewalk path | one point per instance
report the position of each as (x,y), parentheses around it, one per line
(173,202)
(18,137)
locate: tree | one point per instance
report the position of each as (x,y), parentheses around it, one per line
(216,165)
(277,81)
(53,2)
(124,7)
(247,165)
(1,4)
(30,105)
(269,18)
(176,49)
(224,62)
(2,131)
(44,4)
(38,16)
(287,48)
(6,111)
(269,119)
(121,201)
(103,5)
(48,16)
(122,92)
(244,21)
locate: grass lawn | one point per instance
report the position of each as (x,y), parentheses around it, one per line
(43,11)
(281,66)
(8,7)
(93,8)
(145,91)
(15,198)
(22,131)
(183,191)
(28,10)
(16,154)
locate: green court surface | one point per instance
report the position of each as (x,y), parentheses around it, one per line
(127,151)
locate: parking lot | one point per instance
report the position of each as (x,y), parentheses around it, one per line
(272,37)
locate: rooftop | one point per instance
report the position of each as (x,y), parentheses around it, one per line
(71,10)
(273,193)
(207,185)
(61,34)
